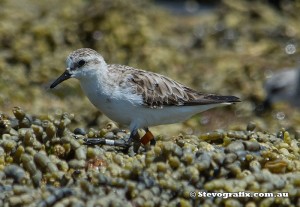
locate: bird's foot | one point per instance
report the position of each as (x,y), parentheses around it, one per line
(134,140)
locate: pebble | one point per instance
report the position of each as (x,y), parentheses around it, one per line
(48,154)
(80,131)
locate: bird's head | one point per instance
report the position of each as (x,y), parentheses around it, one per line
(81,63)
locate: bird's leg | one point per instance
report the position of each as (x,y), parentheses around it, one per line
(134,135)
(135,138)
(148,137)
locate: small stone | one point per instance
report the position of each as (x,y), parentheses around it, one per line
(251,146)
(251,126)
(79,131)
(234,147)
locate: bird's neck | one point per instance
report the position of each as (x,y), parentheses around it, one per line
(94,82)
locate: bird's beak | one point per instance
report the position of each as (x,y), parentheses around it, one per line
(65,76)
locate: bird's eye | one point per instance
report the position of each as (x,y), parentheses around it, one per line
(81,63)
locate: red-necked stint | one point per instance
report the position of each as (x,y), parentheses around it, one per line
(134,97)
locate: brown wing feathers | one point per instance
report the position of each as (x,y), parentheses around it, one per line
(158,90)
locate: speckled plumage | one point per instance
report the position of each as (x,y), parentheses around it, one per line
(159,91)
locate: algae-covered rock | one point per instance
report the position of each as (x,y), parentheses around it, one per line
(157,173)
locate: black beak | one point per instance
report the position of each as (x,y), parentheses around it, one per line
(65,76)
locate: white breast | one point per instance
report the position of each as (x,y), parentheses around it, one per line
(121,106)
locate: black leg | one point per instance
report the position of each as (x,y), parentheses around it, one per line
(133,136)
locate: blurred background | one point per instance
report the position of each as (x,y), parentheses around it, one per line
(245,48)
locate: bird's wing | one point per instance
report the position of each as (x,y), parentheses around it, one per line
(158,90)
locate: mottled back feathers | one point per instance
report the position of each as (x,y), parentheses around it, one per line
(158,90)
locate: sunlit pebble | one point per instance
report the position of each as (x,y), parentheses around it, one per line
(189,131)
(95,163)
(58,112)
(199,32)
(268,73)
(280,115)
(291,32)
(219,27)
(97,35)
(290,49)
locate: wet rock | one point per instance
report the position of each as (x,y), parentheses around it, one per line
(234,147)
(79,131)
